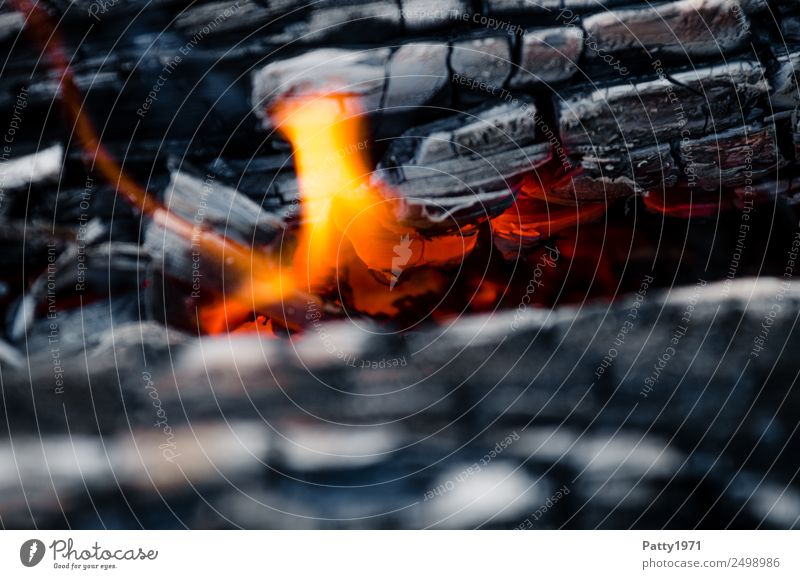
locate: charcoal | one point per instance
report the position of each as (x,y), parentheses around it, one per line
(611,172)
(239,15)
(417,73)
(59,469)
(456,170)
(423,16)
(785,94)
(290,21)
(796,132)
(790,27)
(685,27)
(19,174)
(732,158)
(549,56)
(486,59)
(500,7)
(11,23)
(359,74)
(691,103)
(206,204)
(268,181)
(461,98)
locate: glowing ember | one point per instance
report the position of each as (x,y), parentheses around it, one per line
(536,216)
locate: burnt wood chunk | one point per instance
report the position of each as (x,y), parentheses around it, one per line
(796,132)
(734,158)
(423,15)
(18,174)
(593,5)
(790,27)
(456,171)
(269,181)
(378,81)
(359,74)
(785,94)
(548,55)
(687,27)
(486,60)
(505,7)
(228,16)
(11,22)
(206,204)
(345,20)
(285,21)
(611,172)
(687,104)
(417,73)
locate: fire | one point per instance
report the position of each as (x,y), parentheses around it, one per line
(349,238)
(347,230)
(348,219)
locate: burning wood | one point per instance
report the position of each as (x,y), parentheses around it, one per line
(455,224)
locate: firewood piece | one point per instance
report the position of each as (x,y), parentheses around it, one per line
(506,7)
(697,102)
(796,132)
(417,72)
(549,55)
(11,23)
(290,21)
(207,204)
(686,27)
(422,15)
(358,74)
(456,171)
(611,172)
(785,93)
(790,27)
(486,59)
(269,181)
(18,174)
(732,158)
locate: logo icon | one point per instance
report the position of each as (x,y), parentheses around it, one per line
(402,253)
(31,553)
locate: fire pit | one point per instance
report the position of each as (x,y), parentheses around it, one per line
(383,264)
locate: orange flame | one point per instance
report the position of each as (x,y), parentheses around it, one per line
(344,212)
